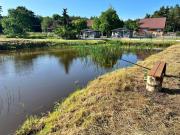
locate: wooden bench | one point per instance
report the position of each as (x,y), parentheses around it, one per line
(155,76)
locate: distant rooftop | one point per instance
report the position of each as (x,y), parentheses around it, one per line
(90,23)
(120,29)
(89,30)
(153,23)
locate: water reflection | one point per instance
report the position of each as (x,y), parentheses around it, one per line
(67,58)
(32,80)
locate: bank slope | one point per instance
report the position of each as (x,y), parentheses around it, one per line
(117,103)
(17,43)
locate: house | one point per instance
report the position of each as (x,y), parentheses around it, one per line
(153,27)
(90,23)
(90,34)
(121,33)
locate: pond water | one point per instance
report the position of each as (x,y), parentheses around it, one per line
(31,81)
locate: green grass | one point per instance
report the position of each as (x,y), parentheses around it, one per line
(21,43)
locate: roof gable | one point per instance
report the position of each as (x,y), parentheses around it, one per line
(153,23)
(90,23)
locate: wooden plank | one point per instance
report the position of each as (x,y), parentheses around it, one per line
(152,72)
(160,70)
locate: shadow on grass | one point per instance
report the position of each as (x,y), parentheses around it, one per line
(172,76)
(170,91)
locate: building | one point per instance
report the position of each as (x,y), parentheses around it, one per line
(121,33)
(152,27)
(90,34)
(90,23)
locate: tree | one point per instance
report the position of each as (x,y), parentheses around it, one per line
(37,24)
(18,22)
(131,24)
(172,15)
(147,16)
(175,16)
(96,24)
(0,11)
(108,20)
(56,17)
(66,19)
(65,32)
(0,19)
(79,24)
(46,24)
(57,20)
(162,12)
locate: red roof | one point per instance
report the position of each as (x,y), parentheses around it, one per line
(153,23)
(90,23)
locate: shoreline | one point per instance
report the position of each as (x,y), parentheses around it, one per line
(118,102)
(15,44)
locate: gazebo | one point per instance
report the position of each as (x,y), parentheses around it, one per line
(89,33)
(121,33)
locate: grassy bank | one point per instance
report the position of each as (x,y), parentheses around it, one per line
(117,103)
(14,43)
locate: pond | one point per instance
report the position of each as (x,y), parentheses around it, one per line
(31,81)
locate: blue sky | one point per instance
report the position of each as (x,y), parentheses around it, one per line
(125,8)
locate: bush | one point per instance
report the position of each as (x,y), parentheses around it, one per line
(65,32)
(178,33)
(12,29)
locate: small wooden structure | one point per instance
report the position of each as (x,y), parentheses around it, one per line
(90,34)
(155,77)
(121,33)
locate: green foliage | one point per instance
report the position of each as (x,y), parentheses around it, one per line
(18,22)
(108,21)
(0,19)
(172,15)
(46,24)
(0,10)
(11,28)
(79,24)
(66,19)
(65,32)
(68,30)
(131,24)
(57,20)
(96,24)
(148,16)
(178,33)
(28,124)
(37,24)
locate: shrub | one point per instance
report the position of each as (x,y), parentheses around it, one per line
(178,33)
(65,32)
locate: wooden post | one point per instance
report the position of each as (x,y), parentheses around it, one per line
(155,77)
(153,84)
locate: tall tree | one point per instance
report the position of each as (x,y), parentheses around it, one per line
(172,15)
(131,24)
(176,18)
(66,19)
(57,20)
(37,24)
(108,20)
(96,23)
(79,24)
(0,10)
(0,19)
(147,16)
(46,24)
(18,22)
